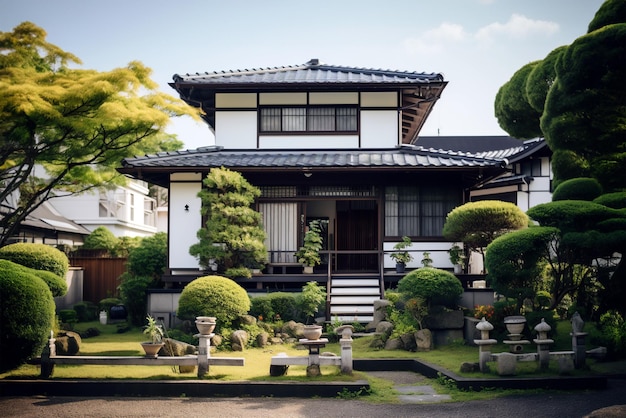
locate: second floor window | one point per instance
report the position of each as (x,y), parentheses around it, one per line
(308,119)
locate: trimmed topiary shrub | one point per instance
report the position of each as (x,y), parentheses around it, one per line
(37,256)
(616,200)
(435,286)
(101,238)
(57,285)
(149,258)
(261,308)
(213,296)
(26,315)
(581,188)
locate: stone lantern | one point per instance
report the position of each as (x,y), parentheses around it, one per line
(484,344)
(543,343)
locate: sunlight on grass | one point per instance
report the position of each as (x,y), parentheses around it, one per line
(257,365)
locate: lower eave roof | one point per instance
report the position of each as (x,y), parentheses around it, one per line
(153,167)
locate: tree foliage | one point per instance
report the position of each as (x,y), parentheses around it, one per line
(63,128)
(514,262)
(512,108)
(149,258)
(580,99)
(583,188)
(476,224)
(233,236)
(100,238)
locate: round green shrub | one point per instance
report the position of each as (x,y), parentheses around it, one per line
(581,188)
(213,296)
(57,285)
(100,238)
(616,200)
(37,256)
(435,286)
(149,258)
(26,315)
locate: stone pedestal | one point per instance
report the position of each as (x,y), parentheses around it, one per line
(313,369)
(578,347)
(543,352)
(484,353)
(204,352)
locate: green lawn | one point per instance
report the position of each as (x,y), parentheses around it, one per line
(109,342)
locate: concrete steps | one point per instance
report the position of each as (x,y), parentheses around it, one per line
(352,298)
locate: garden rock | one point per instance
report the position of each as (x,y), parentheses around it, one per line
(423,340)
(216,341)
(247,320)
(67,343)
(239,340)
(380,314)
(262,339)
(467,367)
(445,320)
(408,341)
(177,348)
(293,329)
(393,344)
(384,328)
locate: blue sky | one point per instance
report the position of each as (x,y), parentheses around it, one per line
(476,44)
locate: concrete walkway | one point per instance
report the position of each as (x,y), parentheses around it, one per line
(412,387)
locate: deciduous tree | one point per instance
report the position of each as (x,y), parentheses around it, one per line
(67,128)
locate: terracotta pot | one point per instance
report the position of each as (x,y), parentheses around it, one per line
(152,349)
(205,324)
(312,332)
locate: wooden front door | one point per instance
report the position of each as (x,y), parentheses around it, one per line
(357,230)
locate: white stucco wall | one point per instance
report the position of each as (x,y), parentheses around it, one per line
(236,130)
(183,224)
(379,128)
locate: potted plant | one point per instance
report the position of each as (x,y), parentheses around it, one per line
(309,253)
(400,255)
(457,258)
(155,333)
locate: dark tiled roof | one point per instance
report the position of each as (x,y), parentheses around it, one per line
(403,156)
(313,72)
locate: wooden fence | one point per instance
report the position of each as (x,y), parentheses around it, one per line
(100,276)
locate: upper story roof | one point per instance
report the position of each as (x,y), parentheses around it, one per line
(419,91)
(156,168)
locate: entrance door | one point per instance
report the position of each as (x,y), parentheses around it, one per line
(357,230)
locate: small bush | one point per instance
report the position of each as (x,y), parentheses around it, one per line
(107,303)
(613,334)
(213,296)
(435,286)
(581,188)
(86,311)
(311,299)
(26,315)
(133,292)
(37,256)
(68,316)
(284,305)
(261,308)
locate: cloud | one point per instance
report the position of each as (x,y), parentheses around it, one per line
(518,27)
(435,40)
(446,35)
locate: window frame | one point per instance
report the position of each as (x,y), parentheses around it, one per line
(308,120)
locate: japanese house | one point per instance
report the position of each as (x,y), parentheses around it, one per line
(341,145)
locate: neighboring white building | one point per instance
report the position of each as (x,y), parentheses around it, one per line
(126,211)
